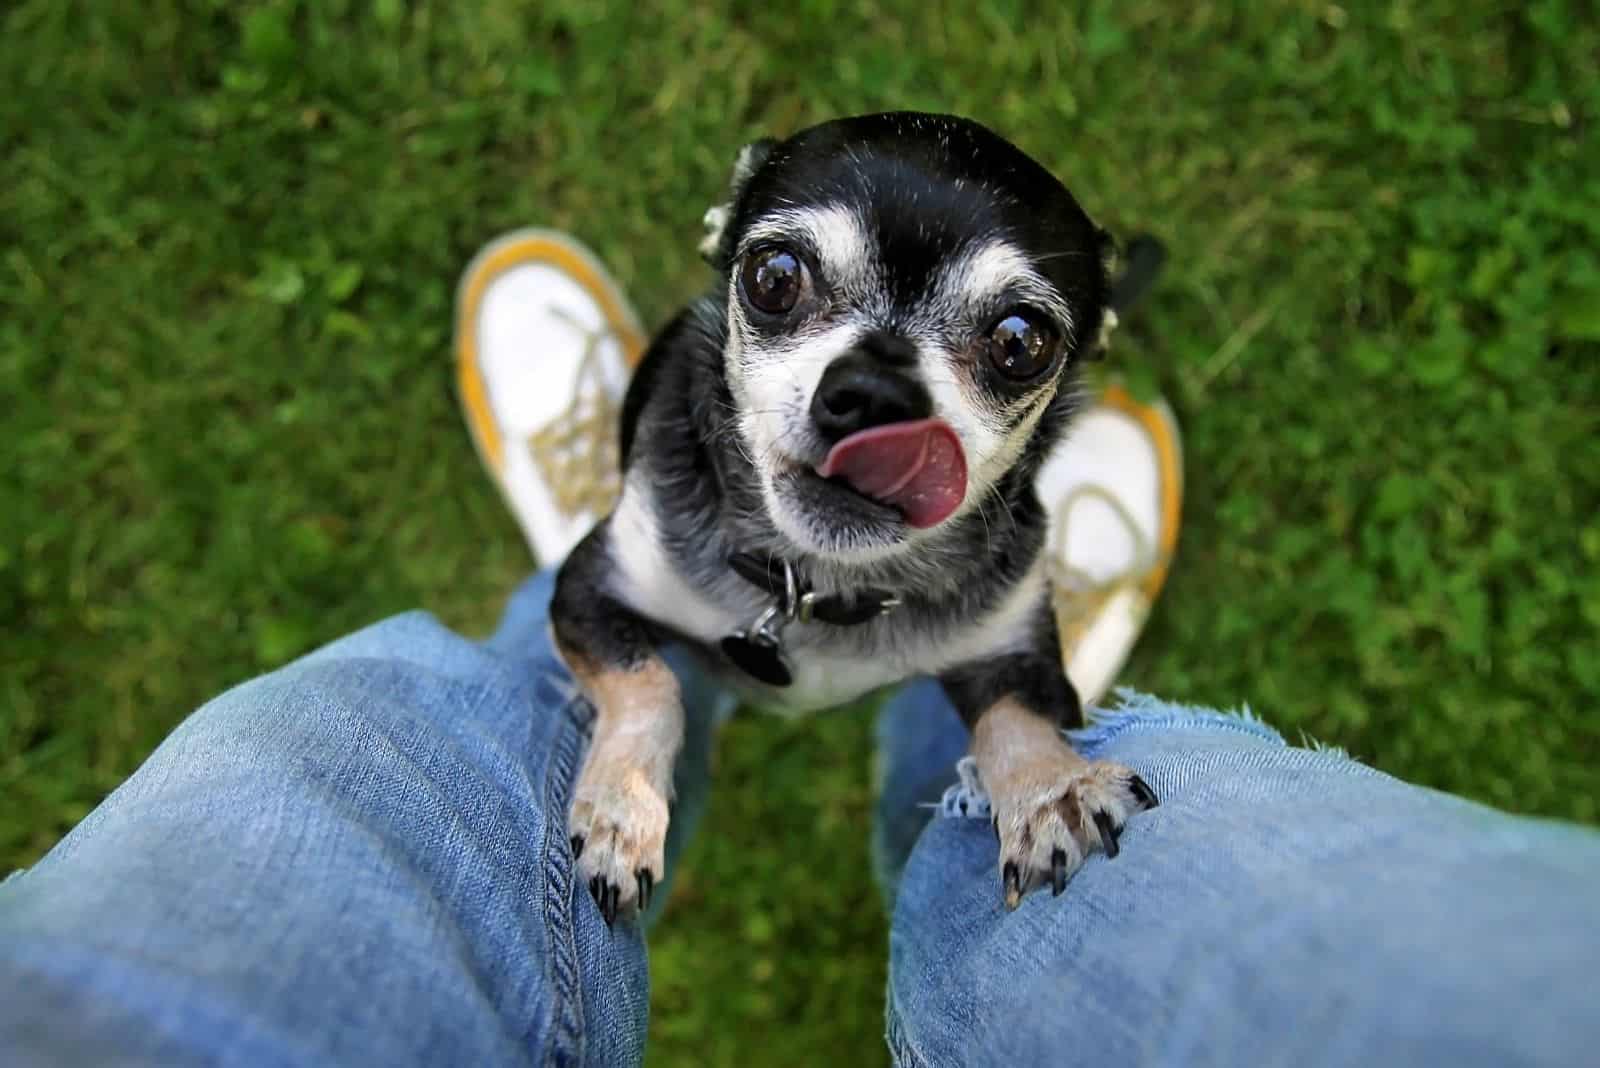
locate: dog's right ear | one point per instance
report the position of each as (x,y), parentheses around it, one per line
(716,246)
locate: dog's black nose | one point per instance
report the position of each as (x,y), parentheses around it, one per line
(861,389)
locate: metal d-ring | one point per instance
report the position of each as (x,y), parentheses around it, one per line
(763,624)
(791,592)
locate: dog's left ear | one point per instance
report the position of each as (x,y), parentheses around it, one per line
(1131,271)
(1110,255)
(715,246)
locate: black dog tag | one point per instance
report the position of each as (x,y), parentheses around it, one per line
(758,656)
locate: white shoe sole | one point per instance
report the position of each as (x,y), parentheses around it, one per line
(545,342)
(1114,489)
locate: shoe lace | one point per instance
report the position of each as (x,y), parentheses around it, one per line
(578,452)
(1079,596)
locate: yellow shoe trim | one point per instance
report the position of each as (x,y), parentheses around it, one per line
(515,250)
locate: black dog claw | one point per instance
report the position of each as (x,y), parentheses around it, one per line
(1108,833)
(605,895)
(1012,878)
(1058,872)
(577,846)
(1141,790)
(613,894)
(647,886)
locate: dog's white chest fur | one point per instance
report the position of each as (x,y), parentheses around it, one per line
(647,582)
(832,665)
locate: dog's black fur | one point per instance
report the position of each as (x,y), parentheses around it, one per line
(926,189)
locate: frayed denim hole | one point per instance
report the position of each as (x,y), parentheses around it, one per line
(966,798)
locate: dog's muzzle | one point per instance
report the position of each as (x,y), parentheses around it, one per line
(873,384)
(884,442)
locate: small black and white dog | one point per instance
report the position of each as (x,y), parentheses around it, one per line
(828,482)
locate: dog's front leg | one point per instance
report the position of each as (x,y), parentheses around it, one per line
(1050,805)
(618,820)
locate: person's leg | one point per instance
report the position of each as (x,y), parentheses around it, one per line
(363,858)
(359,859)
(1281,906)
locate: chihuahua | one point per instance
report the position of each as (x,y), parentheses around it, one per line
(828,482)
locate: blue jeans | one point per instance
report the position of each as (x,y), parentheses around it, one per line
(362,859)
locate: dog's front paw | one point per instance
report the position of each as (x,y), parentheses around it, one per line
(618,825)
(1050,813)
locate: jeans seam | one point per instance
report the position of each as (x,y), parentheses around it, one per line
(560,921)
(901,1050)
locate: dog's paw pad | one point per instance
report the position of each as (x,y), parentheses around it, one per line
(618,828)
(1048,824)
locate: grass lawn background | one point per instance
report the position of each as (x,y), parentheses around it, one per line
(229,236)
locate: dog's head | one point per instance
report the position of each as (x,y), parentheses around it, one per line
(907,297)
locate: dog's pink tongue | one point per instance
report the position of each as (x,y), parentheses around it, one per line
(917,467)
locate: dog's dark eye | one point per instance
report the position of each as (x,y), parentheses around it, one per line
(772,279)
(1022,345)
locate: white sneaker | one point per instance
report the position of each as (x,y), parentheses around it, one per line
(545,342)
(1114,489)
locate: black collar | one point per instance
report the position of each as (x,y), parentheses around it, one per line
(781,581)
(758,648)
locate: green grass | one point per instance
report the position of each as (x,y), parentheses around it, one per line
(229,234)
